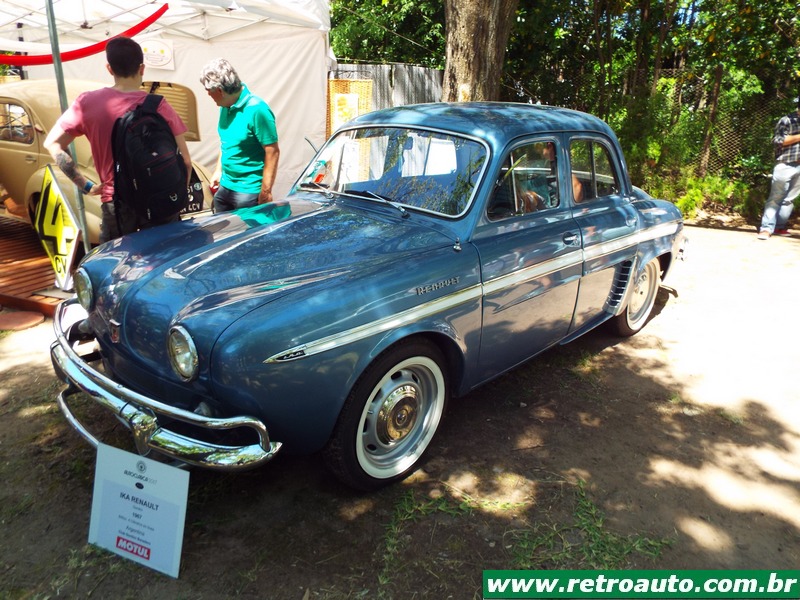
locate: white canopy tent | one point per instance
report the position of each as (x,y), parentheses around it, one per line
(279,47)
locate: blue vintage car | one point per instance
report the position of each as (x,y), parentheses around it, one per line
(425,250)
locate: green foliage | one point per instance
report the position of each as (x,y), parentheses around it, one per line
(691,193)
(649,69)
(383,31)
(690,202)
(662,137)
(585,544)
(409,508)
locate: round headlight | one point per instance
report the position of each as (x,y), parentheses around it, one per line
(83,289)
(182,353)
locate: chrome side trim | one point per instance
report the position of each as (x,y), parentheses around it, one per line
(391,322)
(424,310)
(629,241)
(141,414)
(538,270)
(451,300)
(598,250)
(658,231)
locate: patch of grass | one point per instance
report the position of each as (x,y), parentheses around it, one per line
(585,544)
(81,467)
(410,507)
(586,364)
(488,506)
(676,400)
(734,418)
(91,561)
(10,511)
(250,576)
(685,407)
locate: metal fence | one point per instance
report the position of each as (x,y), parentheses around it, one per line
(741,131)
(743,127)
(394,84)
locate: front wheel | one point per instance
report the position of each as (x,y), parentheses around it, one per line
(390,417)
(641,300)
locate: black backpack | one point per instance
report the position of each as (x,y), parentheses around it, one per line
(149,173)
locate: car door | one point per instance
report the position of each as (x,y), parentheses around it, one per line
(608,223)
(530,257)
(19,149)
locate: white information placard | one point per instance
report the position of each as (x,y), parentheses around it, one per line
(139,509)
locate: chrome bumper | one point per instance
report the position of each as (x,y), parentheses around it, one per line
(141,414)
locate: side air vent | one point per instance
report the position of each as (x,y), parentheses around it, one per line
(621,280)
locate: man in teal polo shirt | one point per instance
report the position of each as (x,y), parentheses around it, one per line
(248,160)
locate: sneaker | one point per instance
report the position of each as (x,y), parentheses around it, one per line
(763,234)
(783,232)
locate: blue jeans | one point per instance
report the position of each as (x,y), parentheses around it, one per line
(226,199)
(785,188)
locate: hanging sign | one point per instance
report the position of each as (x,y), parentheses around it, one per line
(158,54)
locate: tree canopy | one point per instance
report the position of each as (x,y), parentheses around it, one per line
(380,31)
(696,83)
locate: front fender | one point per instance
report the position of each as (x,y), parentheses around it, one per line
(457,333)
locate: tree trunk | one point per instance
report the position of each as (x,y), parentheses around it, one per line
(708,134)
(641,69)
(604,43)
(477,34)
(663,30)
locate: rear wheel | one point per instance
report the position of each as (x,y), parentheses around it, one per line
(390,416)
(640,301)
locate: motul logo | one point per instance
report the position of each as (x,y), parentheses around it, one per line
(133,548)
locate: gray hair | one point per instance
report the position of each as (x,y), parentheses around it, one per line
(219,74)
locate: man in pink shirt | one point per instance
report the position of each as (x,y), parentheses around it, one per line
(94,113)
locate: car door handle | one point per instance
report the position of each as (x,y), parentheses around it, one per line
(570,239)
(30,159)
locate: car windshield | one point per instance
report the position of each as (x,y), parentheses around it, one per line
(414,168)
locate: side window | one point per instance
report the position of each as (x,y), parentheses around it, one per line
(593,172)
(606,181)
(528,181)
(15,125)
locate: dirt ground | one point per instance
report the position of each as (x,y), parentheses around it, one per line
(678,448)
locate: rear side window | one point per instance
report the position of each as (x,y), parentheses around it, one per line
(15,124)
(593,168)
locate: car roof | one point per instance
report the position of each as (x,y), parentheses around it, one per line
(42,96)
(497,122)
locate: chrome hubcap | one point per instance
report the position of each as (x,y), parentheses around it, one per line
(398,415)
(639,294)
(644,294)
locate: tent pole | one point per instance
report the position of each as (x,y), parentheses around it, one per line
(62,96)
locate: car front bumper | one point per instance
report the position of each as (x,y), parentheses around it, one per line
(143,415)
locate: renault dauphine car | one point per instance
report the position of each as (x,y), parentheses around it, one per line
(425,250)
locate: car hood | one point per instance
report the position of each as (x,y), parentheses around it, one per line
(222,267)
